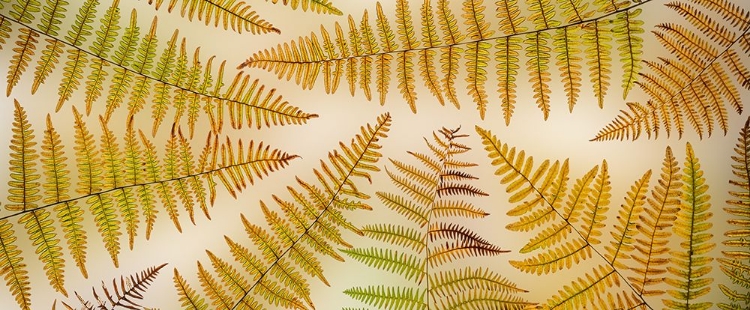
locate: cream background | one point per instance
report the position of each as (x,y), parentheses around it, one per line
(563,135)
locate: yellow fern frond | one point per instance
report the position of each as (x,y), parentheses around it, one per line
(585,291)
(598,37)
(230,13)
(13,269)
(733,264)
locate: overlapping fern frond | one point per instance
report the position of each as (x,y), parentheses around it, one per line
(442,44)
(122,186)
(127,292)
(174,80)
(700,85)
(276,271)
(735,264)
(570,225)
(421,250)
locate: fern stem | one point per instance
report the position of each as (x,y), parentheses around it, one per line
(349,174)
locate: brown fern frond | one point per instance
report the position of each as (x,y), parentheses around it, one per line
(125,293)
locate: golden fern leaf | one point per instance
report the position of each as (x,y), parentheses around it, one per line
(13,269)
(507,55)
(693,87)
(369,46)
(571,233)
(230,13)
(626,30)
(122,80)
(312,223)
(691,266)
(317,6)
(565,41)
(430,39)
(430,241)
(125,293)
(732,263)
(54,14)
(188,297)
(598,38)
(477,55)
(405,66)
(25,45)
(388,43)
(652,241)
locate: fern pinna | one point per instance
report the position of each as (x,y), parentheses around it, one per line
(735,263)
(310,224)
(122,186)
(422,250)
(174,80)
(126,295)
(568,33)
(698,86)
(569,221)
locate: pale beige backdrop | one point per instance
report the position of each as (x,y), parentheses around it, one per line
(563,135)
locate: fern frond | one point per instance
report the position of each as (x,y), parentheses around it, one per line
(230,13)
(693,86)
(313,223)
(430,240)
(204,92)
(188,296)
(586,291)
(733,263)
(13,269)
(317,6)
(480,45)
(691,267)
(128,291)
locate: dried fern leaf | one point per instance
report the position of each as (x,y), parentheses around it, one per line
(125,293)
(430,241)
(312,223)
(230,13)
(699,83)
(733,261)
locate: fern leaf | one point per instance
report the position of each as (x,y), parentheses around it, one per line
(477,55)
(24,49)
(568,60)
(188,296)
(54,12)
(13,269)
(430,39)
(598,37)
(127,291)
(314,221)
(448,283)
(237,15)
(384,297)
(317,6)
(506,55)
(659,215)
(691,266)
(627,29)
(397,235)
(123,56)
(732,263)
(584,291)
(56,190)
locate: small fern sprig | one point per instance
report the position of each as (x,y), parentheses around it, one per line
(734,262)
(548,30)
(569,223)
(419,251)
(174,80)
(317,6)
(127,292)
(310,224)
(700,84)
(230,13)
(121,186)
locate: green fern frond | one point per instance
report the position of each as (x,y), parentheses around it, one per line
(119,183)
(699,84)
(734,263)
(188,297)
(570,225)
(317,6)
(136,75)
(230,13)
(313,222)
(481,45)
(430,241)
(691,266)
